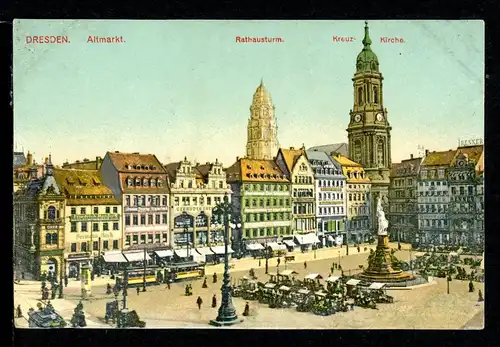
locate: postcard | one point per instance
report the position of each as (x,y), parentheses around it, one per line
(248,174)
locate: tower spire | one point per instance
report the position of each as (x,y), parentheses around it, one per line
(366,40)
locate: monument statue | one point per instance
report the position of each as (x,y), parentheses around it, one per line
(383,224)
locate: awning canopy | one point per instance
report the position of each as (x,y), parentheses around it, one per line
(353,282)
(204,251)
(376,285)
(332,279)
(164,253)
(114,257)
(254,246)
(276,247)
(183,252)
(307,239)
(288,272)
(304,291)
(330,238)
(270,285)
(284,288)
(313,276)
(289,243)
(220,249)
(136,256)
(320,293)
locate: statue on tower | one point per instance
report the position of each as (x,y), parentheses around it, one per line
(383,224)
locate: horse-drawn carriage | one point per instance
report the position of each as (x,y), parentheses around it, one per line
(379,294)
(323,304)
(304,299)
(311,282)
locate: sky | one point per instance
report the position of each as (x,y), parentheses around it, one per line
(183,88)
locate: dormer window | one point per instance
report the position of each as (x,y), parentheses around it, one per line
(153,182)
(160,182)
(130,182)
(138,182)
(145,182)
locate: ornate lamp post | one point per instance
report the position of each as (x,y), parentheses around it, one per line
(144,271)
(227,313)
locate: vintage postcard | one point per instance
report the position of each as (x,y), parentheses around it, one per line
(248,174)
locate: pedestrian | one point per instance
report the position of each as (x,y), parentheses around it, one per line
(190,290)
(137,290)
(480,295)
(19,313)
(399,246)
(305,265)
(22,275)
(214,301)
(471,287)
(279,261)
(205,283)
(186,290)
(168,284)
(259,262)
(199,301)
(359,249)
(246,312)
(65,280)
(331,271)
(214,278)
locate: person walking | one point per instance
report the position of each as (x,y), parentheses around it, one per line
(246,312)
(305,265)
(480,295)
(138,290)
(65,280)
(168,284)
(279,261)
(471,287)
(19,313)
(214,301)
(186,290)
(214,278)
(190,290)
(205,283)
(199,301)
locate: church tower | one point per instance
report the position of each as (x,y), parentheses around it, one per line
(262,128)
(369,130)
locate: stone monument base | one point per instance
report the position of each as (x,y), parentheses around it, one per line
(380,266)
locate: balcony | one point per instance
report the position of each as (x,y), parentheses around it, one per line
(94,217)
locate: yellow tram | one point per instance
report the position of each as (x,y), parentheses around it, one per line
(137,276)
(187,270)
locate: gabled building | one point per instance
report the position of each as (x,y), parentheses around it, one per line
(141,184)
(295,164)
(25,169)
(403,207)
(195,190)
(331,188)
(462,183)
(358,201)
(434,198)
(94,217)
(39,225)
(261,194)
(478,234)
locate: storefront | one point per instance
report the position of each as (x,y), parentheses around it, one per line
(183,230)
(137,258)
(277,249)
(75,261)
(219,252)
(183,254)
(217,236)
(163,256)
(254,248)
(307,241)
(207,256)
(290,244)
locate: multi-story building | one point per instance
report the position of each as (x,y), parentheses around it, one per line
(141,184)
(261,194)
(39,225)
(462,184)
(330,196)
(434,198)
(295,164)
(93,222)
(479,223)
(358,200)
(25,169)
(402,214)
(194,192)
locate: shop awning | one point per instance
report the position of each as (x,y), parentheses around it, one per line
(332,279)
(183,252)
(114,257)
(284,288)
(313,276)
(376,285)
(353,282)
(288,272)
(330,238)
(136,256)
(304,291)
(220,249)
(307,239)
(320,293)
(254,246)
(204,251)
(276,247)
(289,243)
(164,253)
(270,285)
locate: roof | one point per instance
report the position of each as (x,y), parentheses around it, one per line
(439,158)
(19,160)
(341,148)
(291,155)
(407,167)
(83,165)
(345,161)
(172,169)
(354,172)
(77,182)
(144,189)
(261,94)
(472,152)
(394,169)
(254,170)
(135,162)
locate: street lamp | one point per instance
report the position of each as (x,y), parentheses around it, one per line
(227,313)
(346,236)
(144,272)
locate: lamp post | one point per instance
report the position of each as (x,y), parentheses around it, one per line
(346,236)
(144,272)
(61,281)
(227,313)
(125,285)
(266,254)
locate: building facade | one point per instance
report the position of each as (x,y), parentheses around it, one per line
(479,227)
(330,184)
(261,194)
(295,164)
(262,141)
(141,184)
(368,131)
(93,222)
(39,214)
(358,201)
(25,169)
(434,198)
(462,184)
(194,192)
(403,207)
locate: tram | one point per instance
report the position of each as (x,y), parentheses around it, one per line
(186,270)
(137,277)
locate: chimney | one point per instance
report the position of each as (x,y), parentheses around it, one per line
(98,161)
(46,160)
(426,152)
(237,158)
(411,156)
(29,158)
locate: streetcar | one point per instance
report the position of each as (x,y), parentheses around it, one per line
(138,276)
(186,270)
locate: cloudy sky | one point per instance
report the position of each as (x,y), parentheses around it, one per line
(184,88)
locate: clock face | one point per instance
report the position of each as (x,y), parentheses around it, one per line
(380,117)
(357,117)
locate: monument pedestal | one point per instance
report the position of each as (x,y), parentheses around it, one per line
(380,267)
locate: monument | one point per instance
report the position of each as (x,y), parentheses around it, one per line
(380,267)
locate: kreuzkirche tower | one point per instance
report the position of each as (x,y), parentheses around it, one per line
(369,130)
(262,128)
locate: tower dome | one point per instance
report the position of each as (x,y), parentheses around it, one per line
(367,60)
(261,94)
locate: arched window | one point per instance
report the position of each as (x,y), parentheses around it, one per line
(138,182)
(380,153)
(51,212)
(375,95)
(48,239)
(357,151)
(54,238)
(153,182)
(145,182)
(360,95)
(130,182)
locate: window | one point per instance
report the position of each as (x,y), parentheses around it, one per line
(108,209)
(470,190)
(73,210)
(84,226)
(73,227)
(115,226)
(164,218)
(360,95)
(135,239)
(51,212)
(95,227)
(135,219)
(157,219)
(143,239)
(143,219)
(127,200)
(83,246)
(48,239)
(95,245)
(127,220)
(115,244)
(105,244)
(115,209)
(247,203)
(150,219)
(105,226)
(73,247)
(96,210)
(164,200)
